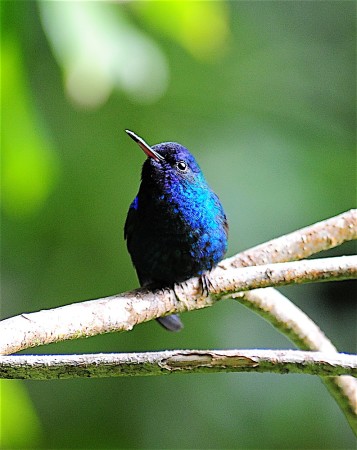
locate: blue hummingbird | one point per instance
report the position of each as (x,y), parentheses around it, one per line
(176,227)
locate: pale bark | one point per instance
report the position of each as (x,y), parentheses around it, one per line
(46,367)
(121,312)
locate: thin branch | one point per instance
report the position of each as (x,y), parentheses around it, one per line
(282,274)
(268,302)
(287,318)
(300,329)
(300,244)
(45,367)
(122,312)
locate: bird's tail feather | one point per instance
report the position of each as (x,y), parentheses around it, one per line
(171,323)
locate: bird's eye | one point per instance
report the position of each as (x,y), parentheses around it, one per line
(182,166)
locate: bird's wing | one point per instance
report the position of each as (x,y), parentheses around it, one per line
(131,219)
(225,225)
(223,215)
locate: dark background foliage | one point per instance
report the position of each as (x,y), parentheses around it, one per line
(263,93)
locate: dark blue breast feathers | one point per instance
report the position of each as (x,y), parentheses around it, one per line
(176,227)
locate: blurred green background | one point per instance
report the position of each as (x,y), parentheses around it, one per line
(263,93)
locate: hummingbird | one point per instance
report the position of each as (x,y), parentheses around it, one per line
(176,227)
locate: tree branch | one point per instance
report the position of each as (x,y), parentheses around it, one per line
(45,367)
(305,334)
(282,274)
(122,312)
(300,244)
(289,319)
(114,314)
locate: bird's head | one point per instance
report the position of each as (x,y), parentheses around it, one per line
(169,163)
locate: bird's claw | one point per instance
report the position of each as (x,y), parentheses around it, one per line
(206,285)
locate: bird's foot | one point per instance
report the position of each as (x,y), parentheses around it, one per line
(206,285)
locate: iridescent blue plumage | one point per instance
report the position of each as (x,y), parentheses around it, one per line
(176,227)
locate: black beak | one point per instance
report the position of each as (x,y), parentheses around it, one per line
(150,152)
